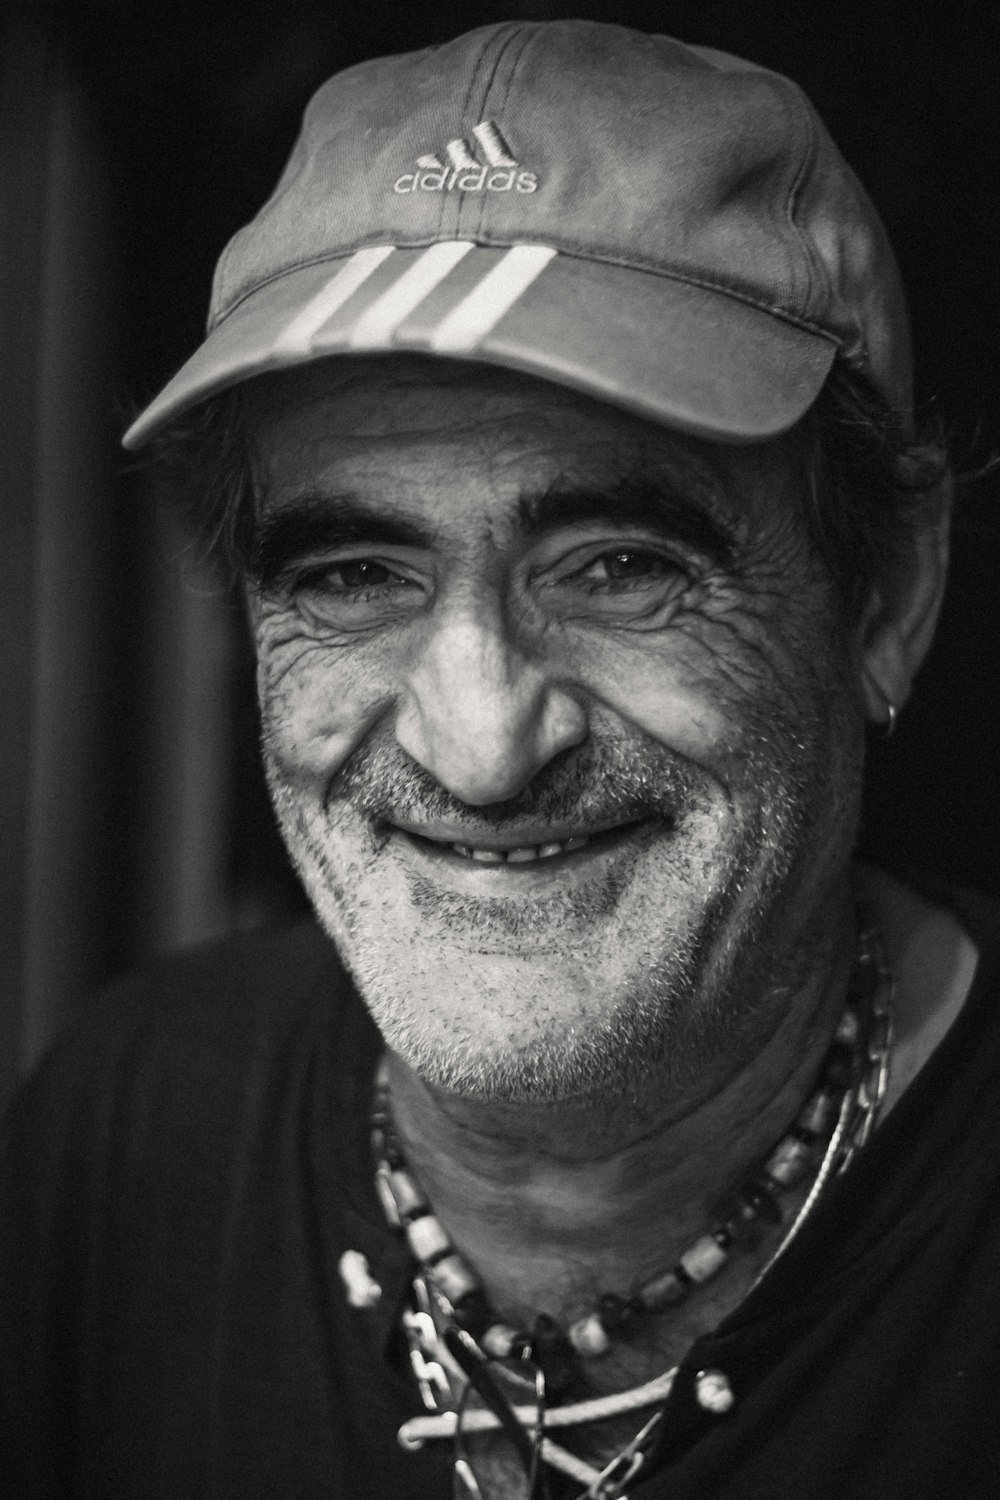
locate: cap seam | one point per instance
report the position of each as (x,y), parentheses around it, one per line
(474,72)
(525,33)
(703,283)
(814,261)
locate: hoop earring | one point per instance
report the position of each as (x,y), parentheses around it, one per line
(889,727)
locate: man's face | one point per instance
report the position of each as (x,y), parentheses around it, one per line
(562,733)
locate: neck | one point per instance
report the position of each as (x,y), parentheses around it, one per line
(554,1203)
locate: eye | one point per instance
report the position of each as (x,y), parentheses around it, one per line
(357,593)
(621,584)
(354,576)
(629,565)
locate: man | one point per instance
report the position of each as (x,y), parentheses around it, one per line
(556,410)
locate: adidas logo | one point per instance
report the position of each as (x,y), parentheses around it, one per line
(494,171)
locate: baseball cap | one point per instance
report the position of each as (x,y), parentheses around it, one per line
(662,226)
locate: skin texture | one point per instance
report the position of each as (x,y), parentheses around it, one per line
(586,1050)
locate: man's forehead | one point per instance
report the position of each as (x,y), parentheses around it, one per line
(417,407)
(372,390)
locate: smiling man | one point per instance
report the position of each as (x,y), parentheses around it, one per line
(611,1132)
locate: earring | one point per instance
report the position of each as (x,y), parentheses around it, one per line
(889,727)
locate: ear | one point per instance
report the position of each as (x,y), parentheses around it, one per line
(900,619)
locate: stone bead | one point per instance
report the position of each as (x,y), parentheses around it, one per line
(498,1341)
(713,1392)
(551,1349)
(848,1029)
(838,1070)
(881,1035)
(360,1287)
(473,1313)
(788,1162)
(427,1237)
(612,1312)
(664,1291)
(762,1203)
(386,1198)
(408,1194)
(705,1257)
(818,1113)
(589,1336)
(453,1278)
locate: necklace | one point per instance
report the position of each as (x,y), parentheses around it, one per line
(834,1124)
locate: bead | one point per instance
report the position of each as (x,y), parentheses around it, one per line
(880,1036)
(818,1113)
(453,1278)
(838,1070)
(723,1237)
(705,1257)
(788,1162)
(713,1392)
(386,1198)
(498,1341)
(427,1238)
(589,1336)
(552,1350)
(360,1286)
(474,1313)
(762,1202)
(848,1029)
(613,1312)
(664,1291)
(408,1194)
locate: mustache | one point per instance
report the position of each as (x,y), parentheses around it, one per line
(606,779)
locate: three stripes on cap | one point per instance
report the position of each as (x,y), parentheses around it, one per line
(462,328)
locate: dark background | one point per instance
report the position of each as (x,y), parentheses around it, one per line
(133,141)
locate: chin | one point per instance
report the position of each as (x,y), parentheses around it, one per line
(537,1027)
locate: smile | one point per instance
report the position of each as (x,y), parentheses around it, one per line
(527,851)
(522,856)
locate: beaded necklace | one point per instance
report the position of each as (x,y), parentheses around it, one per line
(836,1121)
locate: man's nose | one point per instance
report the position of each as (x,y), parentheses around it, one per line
(479,715)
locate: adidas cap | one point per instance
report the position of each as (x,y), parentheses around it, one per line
(663,226)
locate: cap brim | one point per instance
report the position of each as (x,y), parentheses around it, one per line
(694,358)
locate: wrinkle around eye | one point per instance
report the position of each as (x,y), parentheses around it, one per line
(361,606)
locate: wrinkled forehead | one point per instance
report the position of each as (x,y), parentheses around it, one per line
(415,413)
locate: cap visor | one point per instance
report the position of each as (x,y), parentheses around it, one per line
(691,357)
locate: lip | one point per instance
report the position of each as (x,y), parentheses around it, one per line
(517,836)
(580,851)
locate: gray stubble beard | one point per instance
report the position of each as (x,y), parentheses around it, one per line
(681,1005)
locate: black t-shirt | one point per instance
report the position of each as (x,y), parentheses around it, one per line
(186,1169)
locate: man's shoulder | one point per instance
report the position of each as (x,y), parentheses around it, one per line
(195,1030)
(237,985)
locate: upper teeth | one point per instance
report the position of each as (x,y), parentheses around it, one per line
(519,856)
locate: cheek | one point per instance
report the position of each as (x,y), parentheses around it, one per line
(317,701)
(715,686)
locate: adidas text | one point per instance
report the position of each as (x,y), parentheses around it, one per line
(467,180)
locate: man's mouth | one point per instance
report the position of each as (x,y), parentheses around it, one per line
(517,848)
(522,856)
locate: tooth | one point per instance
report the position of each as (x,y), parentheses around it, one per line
(462,849)
(547,850)
(521,856)
(488,856)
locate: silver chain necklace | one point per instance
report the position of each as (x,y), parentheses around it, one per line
(843,1110)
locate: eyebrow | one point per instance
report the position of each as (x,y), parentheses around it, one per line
(647,503)
(319,522)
